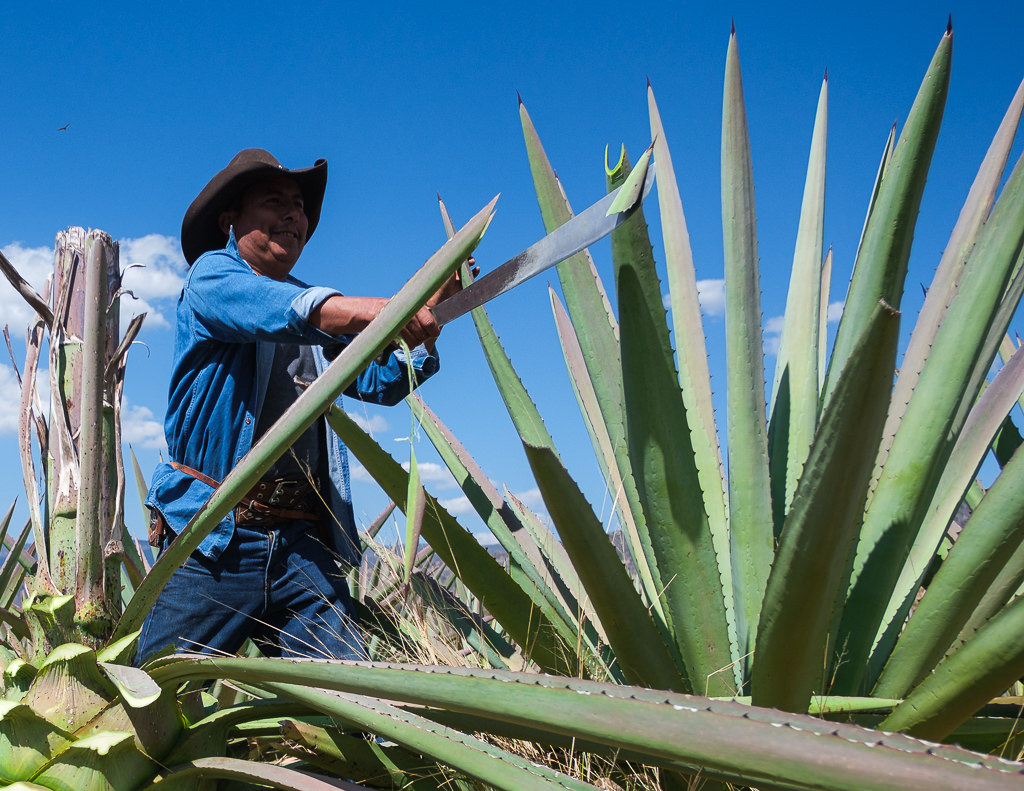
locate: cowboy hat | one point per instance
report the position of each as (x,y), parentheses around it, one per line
(200,230)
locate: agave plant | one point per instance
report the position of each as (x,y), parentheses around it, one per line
(788,583)
(764,582)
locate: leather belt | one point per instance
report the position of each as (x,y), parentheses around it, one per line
(268,503)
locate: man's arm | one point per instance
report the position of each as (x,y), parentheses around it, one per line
(339,315)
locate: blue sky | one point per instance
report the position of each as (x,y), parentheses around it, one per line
(409,100)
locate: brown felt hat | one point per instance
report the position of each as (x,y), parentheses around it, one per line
(200,230)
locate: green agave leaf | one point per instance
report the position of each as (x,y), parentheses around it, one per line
(499,593)
(27,741)
(473,628)
(187,775)
(528,566)
(69,689)
(678,731)
(99,762)
(695,378)
(956,689)
(988,539)
(306,409)
(476,758)
(750,503)
(921,446)
(820,531)
(596,333)
(950,270)
(633,183)
(18,677)
(963,464)
(881,266)
(639,648)
(794,402)
(623,492)
(567,586)
(358,758)
(134,685)
(826,285)
(663,465)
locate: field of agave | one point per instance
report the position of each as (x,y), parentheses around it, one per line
(792,616)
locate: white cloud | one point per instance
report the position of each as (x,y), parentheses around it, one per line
(369,423)
(140,429)
(153,268)
(437,475)
(457,506)
(835,311)
(773,334)
(710,294)
(153,271)
(10,396)
(357,472)
(34,264)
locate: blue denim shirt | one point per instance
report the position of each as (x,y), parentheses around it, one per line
(228,321)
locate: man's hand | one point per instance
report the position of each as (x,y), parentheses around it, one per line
(340,315)
(454,284)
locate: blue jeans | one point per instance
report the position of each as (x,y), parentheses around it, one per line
(280,586)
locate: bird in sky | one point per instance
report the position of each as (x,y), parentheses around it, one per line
(64,127)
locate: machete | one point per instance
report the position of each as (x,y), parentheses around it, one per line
(581,231)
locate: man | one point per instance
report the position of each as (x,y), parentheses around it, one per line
(249,337)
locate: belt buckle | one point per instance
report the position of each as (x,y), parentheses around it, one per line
(275,498)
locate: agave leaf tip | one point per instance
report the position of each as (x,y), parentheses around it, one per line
(519,98)
(949,26)
(622,157)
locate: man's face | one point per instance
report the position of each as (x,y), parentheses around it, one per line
(270,227)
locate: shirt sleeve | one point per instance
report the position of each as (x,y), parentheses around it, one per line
(231,303)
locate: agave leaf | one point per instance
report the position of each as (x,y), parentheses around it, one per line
(13,570)
(596,332)
(476,758)
(638,644)
(474,629)
(992,533)
(820,531)
(355,757)
(633,184)
(750,504)
(69,689)
(27,741)
(527,563)
(637,541)
(922,444)
(881,266)
(662,462)
(416,503)
(963,464)
(252,773)
(794,402)
(96,763)
(307,408)
(18,677)
(955,689)
(677,731)
(826,285)
(996,332)
(568,588)
(950,270)
(498,592)
(691,350)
